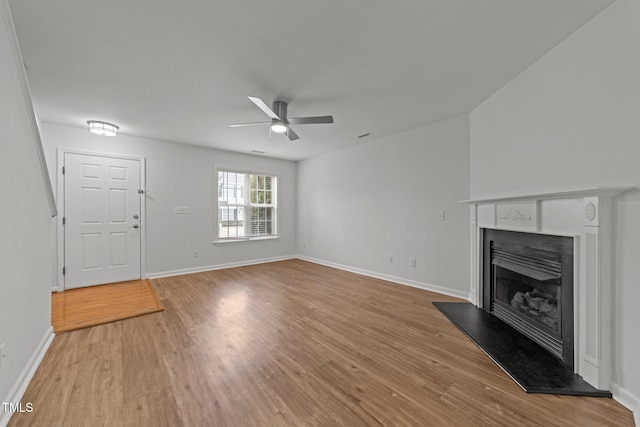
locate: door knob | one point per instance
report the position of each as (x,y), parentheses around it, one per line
(135,217)
(135,226)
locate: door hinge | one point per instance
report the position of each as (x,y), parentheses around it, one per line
(63,170)
(64,270)
(64,220)
(141,191)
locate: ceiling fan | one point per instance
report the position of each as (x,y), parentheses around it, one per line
(279,120)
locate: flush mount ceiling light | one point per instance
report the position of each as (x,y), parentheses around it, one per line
(102,128)
(278,126)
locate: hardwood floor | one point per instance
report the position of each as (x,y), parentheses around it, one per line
(288,344)
(95,305)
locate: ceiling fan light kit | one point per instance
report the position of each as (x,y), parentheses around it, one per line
(278,126)
(279,121)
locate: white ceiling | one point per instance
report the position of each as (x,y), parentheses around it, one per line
(181,70)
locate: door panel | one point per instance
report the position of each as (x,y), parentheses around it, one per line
(91,251)
(117,205)
(119,256)
(102,229)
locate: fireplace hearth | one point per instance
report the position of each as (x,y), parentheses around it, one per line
(528,284)
(532,367)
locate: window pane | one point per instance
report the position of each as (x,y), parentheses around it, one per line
(231,222)
(259,226)
(230,187)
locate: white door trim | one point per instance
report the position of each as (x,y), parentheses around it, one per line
(60,202)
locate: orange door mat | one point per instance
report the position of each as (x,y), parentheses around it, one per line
(95,305)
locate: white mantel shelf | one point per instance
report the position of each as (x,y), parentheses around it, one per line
(568,194)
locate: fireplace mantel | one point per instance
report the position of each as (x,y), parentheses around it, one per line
(566,194)
(586,215)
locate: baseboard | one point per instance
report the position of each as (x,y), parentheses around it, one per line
(389,278)
(216,267)
(18,389)
(394,279)
(627,399)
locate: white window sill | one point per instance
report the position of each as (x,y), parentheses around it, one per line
(249,239)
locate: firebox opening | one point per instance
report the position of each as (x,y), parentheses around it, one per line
(528,284)
(536,300)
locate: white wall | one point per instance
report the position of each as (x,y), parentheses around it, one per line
(359,204)
(25,231)
(184,175)
(570,121)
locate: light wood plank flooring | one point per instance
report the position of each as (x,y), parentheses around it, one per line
(95,305)
(288,344)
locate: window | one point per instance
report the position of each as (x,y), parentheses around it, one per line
(245,218)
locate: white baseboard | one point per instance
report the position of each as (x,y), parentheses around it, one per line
(399,280)
(627,399)
(216,267)
(389,278)
(20,386)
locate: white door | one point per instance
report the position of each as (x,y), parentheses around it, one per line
(102,220)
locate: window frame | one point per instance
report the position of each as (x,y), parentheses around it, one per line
(247,204)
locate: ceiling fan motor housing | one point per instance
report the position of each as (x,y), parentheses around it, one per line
(280,108)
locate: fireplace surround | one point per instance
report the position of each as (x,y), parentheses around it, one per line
(585,217)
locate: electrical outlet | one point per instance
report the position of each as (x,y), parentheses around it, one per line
(181,209)
(439,215)
(195,253)
(412,262)
(3,354)
(389,258)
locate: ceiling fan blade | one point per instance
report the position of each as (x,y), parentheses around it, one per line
(311,120)
(264,107)
(291,135)
(237,125)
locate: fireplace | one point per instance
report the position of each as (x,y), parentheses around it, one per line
(586,215)
(528,283)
